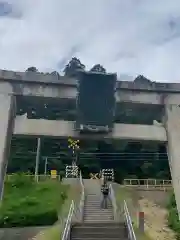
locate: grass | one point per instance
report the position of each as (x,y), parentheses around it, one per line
(27,203)
(55,231)
(122,194)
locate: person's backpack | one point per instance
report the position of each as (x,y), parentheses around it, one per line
(105,190)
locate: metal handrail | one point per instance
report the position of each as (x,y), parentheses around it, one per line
(72,210)
(81,203)
(113,200)
(128,220)
(40,176)
(67,227)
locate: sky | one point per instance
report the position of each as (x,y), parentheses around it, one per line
(130,37)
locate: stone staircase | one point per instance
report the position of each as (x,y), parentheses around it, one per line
(92,208)
(97,223)
(99,231)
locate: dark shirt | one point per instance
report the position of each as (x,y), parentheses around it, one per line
(105,190)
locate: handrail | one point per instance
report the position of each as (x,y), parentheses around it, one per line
(40,176)
(81,203)
(67,227)
(128,220)
(73,209)
(113,200)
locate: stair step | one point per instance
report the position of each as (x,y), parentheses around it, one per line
(98,231)
(97,214)
(96,238)
(90,220)
(100,224)
(89,204)
(99,210)
(99,235)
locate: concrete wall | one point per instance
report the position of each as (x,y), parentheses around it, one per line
(41,127)
(69,91)
(54,86)
(173,136)
(49,78)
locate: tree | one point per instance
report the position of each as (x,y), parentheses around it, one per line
(98,68)
(72,67)
(55,73)
(142,79)
(32,69)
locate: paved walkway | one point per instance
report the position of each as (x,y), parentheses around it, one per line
(25,233)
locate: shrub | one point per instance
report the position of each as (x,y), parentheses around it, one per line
(173,218)
(27,203)
(19,180)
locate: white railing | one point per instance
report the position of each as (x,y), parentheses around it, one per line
(113,200)
(148,183)
(40,177)
(131,234)
(73,211)
(67,228)
(81,204)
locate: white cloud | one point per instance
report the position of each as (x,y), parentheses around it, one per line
(127,36)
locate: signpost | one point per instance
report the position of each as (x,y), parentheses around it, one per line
(74,145)
(94,176)
(53,174)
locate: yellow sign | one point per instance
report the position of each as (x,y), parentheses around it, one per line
(74,144)
(53,174)
(94,175)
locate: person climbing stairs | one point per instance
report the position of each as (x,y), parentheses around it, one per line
(98,223)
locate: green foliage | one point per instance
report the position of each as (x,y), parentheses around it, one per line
(173,219)
(73,66)
(32,69)
(19,180)
(27,203)
(98,68)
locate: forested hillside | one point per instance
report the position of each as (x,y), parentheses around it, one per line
(133,161)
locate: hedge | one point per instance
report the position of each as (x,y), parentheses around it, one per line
(27,203)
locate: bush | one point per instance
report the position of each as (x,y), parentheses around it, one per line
(27,203)
(173,218)
(19,180)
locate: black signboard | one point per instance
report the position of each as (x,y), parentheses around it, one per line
(95,101)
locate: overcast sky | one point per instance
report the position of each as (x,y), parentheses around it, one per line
(130,37)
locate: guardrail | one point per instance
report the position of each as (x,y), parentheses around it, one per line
(131,234)
(40,177)
(113,200)
(81,204)
(66,232)
(73,210)
(148,183)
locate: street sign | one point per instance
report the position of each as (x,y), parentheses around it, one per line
(53,174)
(94,175)
(73,144)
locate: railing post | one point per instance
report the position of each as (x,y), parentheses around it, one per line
(141,222)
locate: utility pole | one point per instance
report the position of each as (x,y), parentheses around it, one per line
(45,166)
(74,145)
(37,159)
